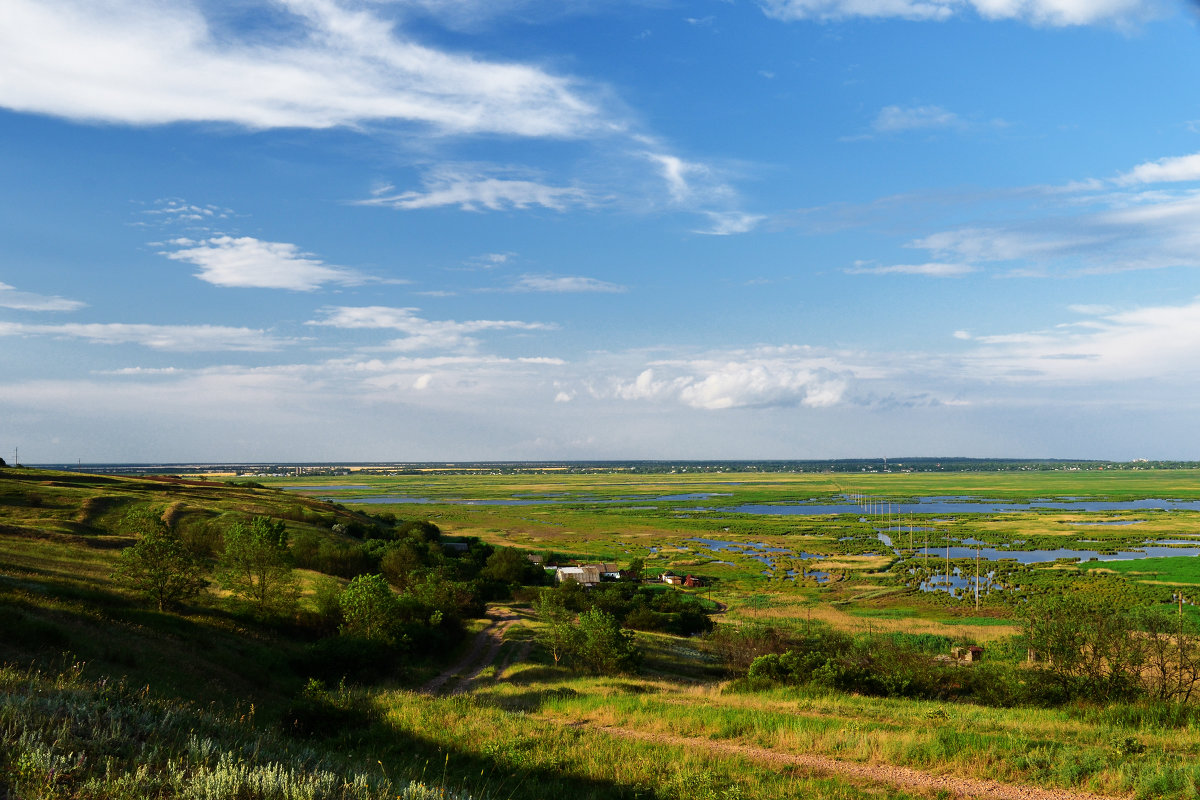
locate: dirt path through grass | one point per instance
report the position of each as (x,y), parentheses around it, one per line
(481,655)
(899,777)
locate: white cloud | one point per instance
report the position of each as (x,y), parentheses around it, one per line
(1068,12)
(28,301)
(930,270)
(1118,346)
(475,189)
(175,210)
(681,176)
(140,63)
(896,119)
(766,377)
(792,10)
(1129,232)
(1035,12)
(421,334)
(564,284)
(737,385)
(702,188)
(246,262)
(729,223)
(441,379)
(180,338)
(1165,170)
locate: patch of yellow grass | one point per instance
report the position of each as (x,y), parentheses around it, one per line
(842,620)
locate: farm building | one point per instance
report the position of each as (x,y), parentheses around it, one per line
(586,575)
(612,572)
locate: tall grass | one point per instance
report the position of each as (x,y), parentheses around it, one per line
(65,737)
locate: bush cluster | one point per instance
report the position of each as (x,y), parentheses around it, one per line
(642,608)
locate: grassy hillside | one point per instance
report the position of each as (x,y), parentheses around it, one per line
(60,535)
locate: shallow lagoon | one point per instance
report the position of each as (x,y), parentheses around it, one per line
(956,505)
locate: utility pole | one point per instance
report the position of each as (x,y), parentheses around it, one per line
(976,578)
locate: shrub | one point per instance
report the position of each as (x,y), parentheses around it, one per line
(346,658)
(370,609)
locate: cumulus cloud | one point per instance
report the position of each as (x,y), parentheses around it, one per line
(10,297)
(564,284)
(752,379)
(180,338)
(139,63)
(420,334)
(472,188)
(246,262)
(1035,12)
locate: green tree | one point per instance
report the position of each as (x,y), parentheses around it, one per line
(157,566)
(604,648)
(370,609)
(257,565)
(636,569)
(558,635)
(510,565)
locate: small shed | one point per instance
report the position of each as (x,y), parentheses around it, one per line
(968,654)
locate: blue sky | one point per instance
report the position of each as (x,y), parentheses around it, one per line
(342,230)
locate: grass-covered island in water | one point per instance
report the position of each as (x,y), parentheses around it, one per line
(740,632)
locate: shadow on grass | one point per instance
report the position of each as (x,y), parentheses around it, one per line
(527,702)
(521,767)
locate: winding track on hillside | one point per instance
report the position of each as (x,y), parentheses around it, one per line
(900,777)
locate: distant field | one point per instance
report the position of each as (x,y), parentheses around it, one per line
(858,582)
(753,487)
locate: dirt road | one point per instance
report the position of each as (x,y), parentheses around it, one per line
(481,655)
(900,777)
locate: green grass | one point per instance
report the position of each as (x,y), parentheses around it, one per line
(1183,571)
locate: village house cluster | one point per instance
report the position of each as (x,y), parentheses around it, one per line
(593,574)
